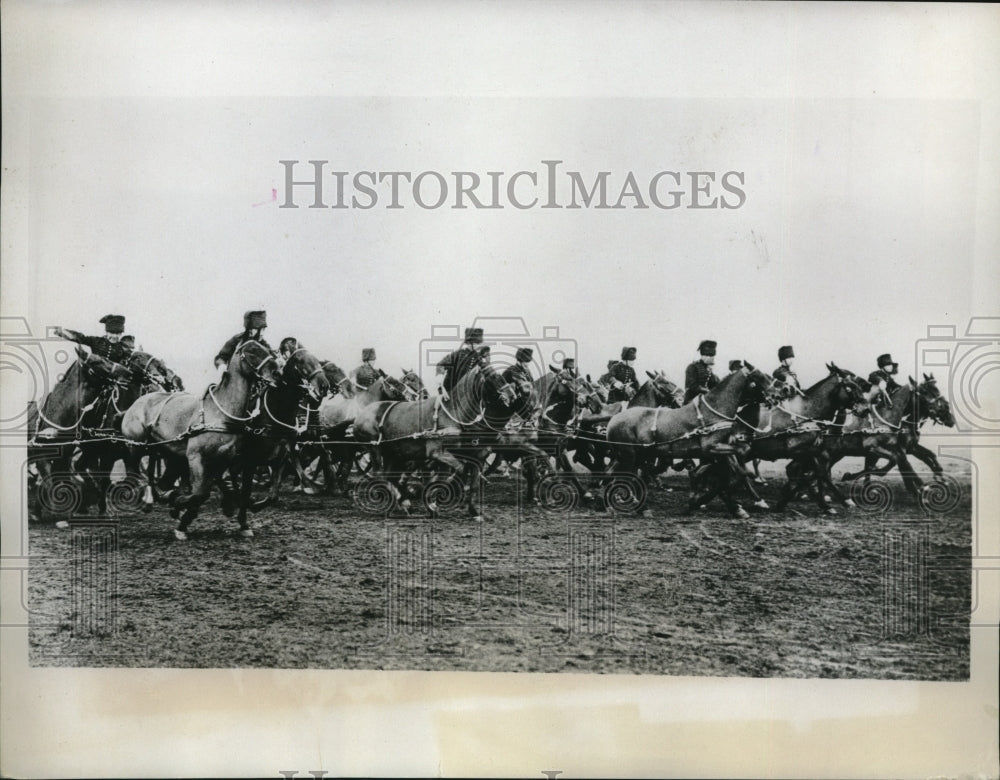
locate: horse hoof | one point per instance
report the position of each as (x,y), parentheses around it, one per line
(762,504)
(477,519)
(309,491)
(179,535)
(147,508)
(246,533)
(175,512)
(702,506)
(831,511)
(850,503)
(647,514)
(63,524)
(742,514)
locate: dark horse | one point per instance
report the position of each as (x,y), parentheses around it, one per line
(883,434)
(451,437)
(275,429)
(699,429)
(206,433)
(795,428)
(76,404)
(98,457)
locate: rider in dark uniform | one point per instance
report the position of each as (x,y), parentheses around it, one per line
(784,373)
(569,365)
(254,323)
(699,377)
(459,362)
(735,365)
(883,378)
(365,375)
(109,345)
(520,371)
(623,379)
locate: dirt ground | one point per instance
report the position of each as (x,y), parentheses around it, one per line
(874,592)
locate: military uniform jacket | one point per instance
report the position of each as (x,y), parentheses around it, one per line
(879,376)
(456,365)
(365,375)
(100,346)
(698,378)
(230,347)
(786,375)
(516,373)
(625,374)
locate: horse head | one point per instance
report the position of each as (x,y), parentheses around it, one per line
(337,380)
(393,388)
(935,404)
(587,395)
(174,381)
(495,385)
(255,361)
(303,370)
(761,388)
(665,392)
(99,372)
(415,389)
(147,370)
(851,392)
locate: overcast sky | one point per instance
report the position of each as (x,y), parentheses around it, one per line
(859,227)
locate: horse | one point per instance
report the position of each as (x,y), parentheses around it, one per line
(77,402)
(701,428)
(794,428)
(206,433)
(98,457)
(275,430)
(880,435)
(452,436)
(931,406)
(335,417)
(592,448)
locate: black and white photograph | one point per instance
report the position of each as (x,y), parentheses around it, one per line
(523,389)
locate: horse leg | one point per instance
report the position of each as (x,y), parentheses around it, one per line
(911,481)
(928,458)
(246,493)
(187,506)
(732,475)
(741,470)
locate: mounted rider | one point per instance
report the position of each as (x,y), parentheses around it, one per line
(459,362)
(108,346)
(519,372)
(254,323)
(624,382)
(784,373)
(882,379)
(734,366)
(699,377)
(365,375)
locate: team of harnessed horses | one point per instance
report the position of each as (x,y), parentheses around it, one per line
(268,415)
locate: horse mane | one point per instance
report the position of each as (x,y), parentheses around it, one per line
(817,384)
